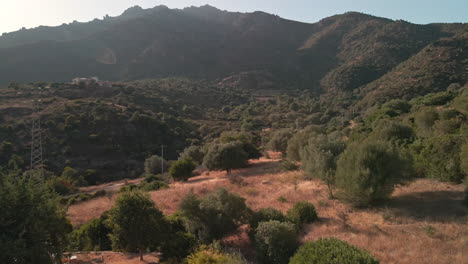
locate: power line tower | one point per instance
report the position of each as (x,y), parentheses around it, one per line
(36,139)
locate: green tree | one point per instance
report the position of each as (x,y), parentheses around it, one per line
(93,235)
(275,242)
(136,223)
(182,169)
(33,226)
(226,157)
(331,251)
(440,158)
(319,159)
(367,172)
(247,140)
(213,216)
(279,140)
(194,153)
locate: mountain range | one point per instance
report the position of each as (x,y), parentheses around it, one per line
(355,54)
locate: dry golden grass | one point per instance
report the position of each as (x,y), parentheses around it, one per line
(424,222)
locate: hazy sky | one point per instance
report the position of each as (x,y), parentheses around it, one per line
(15,14)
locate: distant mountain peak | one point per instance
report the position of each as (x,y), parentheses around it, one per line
(132,11)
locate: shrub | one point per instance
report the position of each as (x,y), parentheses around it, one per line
(62,186)
(226,157)
(207,255)
(425,119)
(279,140)
(181,170)
(287,165)
(213,216)
(302,213)
(331,251)
(155,165)
(319,158)
(440,158)
(264,215)
(153,186)
(93,235)
(394,132)
(275,242)
(179,243)
(367,172)
(194,153)
(72,175)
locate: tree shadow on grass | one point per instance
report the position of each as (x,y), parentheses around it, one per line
(437,206)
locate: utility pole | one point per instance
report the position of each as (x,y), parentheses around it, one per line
(162,159)
(342,118)
(36,139)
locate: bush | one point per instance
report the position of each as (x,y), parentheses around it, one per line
(213,216)
(207,255)
(279,140)
(62,186)
(275,242)
(179,243)
(93,235)
(181,170)
(440,158)
(287,165)
(367,172)
(425,119)
(394,132)
(194,153)
(331,251)
(265,215)
(153,186)
(155,165)
(302,213)
(319,158)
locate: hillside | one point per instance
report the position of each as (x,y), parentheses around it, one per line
(336,55)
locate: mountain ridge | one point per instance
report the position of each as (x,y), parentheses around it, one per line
(340,54)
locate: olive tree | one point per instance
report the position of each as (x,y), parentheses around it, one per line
(226,157)
(367,172)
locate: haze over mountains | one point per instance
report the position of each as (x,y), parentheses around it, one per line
(367,56)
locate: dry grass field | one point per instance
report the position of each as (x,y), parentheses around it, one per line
(424,222)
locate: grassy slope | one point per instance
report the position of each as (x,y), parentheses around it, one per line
(424,222)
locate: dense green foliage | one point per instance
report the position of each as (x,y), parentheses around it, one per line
(368,172)
(193,153)
(93,235)
(178,243)
(331,251)
(155,165)
(226,157)
(136,223)
(214,215)
(275,242)
(182,169)
(302,213)
(319,157)
(210,255)
(33,226)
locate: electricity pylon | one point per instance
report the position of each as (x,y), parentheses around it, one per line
(36,139)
